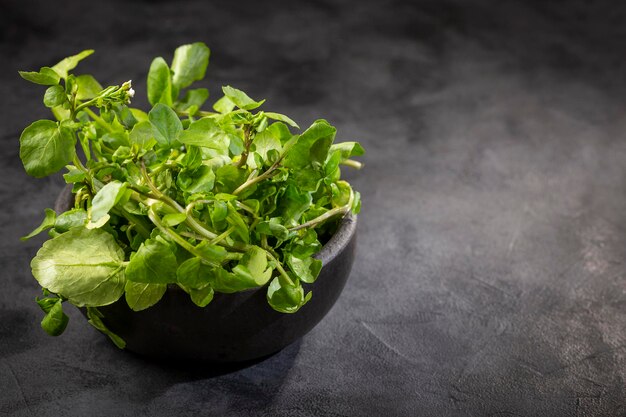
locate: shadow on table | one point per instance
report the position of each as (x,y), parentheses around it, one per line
(231,386)
(282,360)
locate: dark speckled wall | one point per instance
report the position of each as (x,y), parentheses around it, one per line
(490,278)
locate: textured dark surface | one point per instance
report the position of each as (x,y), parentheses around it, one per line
(490,277)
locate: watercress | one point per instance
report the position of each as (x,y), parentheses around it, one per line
(211,201)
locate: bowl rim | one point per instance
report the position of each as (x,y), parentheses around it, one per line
(331,249)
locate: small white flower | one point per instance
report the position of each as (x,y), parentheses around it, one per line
(131,92)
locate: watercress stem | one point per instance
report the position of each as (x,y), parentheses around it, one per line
(98,120)
(330,213)
(200,113)
(135,221)
(247,141)
(78,164)
(192,235)
(194,203)
(176,237)
(285,279)
(106,92)
(260,178)
(352,163)
(222,236)
(85,105)
(246,208)
(158,194)
(191,222)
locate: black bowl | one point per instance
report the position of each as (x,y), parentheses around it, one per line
(233,327)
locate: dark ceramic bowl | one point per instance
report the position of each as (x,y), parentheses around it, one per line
(233,327)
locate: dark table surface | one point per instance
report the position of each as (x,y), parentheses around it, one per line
(490,276)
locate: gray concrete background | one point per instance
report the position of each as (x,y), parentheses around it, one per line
(490,278)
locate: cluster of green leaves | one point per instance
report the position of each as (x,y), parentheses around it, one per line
(212,201)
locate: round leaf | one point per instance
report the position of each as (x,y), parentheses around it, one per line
(54,96)
(286,299)
(165,125)
(140,296)
(193,273)
(189,64)
(153,263)
(45,148)
(84,266)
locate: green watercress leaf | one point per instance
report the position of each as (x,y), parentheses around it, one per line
(73,175)
(192,159)
(124,116)
(69,63)
(45,76)
(114,140)
(312,146)
(307,179)
(159,83)
(229,177)
(47,223)
(304,245)
(189,64)
(306,269)
(273,227)
(254,262)
(240,226)
(166,125)
(281,118)
(45,148)
(83,265)
(230,282)
(174,219)
(348,149)
(54,96)
(287,298)
(140,115)
(341,191)
(241,99)
(202,297)
(95,319)
(140,295)
(356,203)
(46,303)
(194,274)
(55,320)
(293,204)
(153,263)
(206,133)
(73,218)
(193,99)
(88,87)
(142,135)
(200,180)
(104,200)
(212,253)
(265,142)
(223,105)
(60,113)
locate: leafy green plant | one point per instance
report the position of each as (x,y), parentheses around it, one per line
(212,201)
